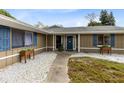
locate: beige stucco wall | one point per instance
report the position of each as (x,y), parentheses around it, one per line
(11,60)
(49,40)
(43,40)
(119,41)
(39,40)
(15,59)
(10,52)
(86,40)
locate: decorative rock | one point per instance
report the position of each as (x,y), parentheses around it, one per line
(33,71)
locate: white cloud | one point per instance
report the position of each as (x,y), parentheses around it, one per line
(81,23)
(78,24)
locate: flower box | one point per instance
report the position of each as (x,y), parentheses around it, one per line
(26,54)
(105,49)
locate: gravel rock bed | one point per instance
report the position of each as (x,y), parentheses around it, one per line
(113,57)
(34,71)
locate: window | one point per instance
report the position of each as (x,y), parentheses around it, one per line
(104,39)
(100,39)
(28,39)
(17,38)
(4,38)
(107,39)
(35,39)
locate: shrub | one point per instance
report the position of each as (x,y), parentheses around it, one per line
(60,48)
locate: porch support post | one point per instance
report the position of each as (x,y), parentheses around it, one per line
(78,42)
(53,42)
(46,42)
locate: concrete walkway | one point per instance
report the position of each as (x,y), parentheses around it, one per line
(59,69)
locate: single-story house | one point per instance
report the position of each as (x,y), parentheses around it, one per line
(86,39)
(16,35)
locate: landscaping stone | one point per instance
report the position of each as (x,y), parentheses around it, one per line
(113,57)
(33,71)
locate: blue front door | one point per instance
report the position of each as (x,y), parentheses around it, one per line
(69,42)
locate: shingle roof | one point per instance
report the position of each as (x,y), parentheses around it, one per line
(90,29)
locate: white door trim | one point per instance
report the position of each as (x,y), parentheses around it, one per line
(74,41)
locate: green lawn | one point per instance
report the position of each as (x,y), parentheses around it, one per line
(87,70)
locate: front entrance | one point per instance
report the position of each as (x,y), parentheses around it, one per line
(69,42)
(58,41)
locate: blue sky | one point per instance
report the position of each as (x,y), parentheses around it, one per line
(65,17)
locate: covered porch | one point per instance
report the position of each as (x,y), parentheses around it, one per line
(68,42)
(79,42)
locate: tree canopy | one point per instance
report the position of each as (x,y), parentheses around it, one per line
(94,23)
(91,17)
(4,12)
(111,19)
(105,18)
(40,25)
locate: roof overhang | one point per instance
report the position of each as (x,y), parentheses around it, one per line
(88,32)
(6,21)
